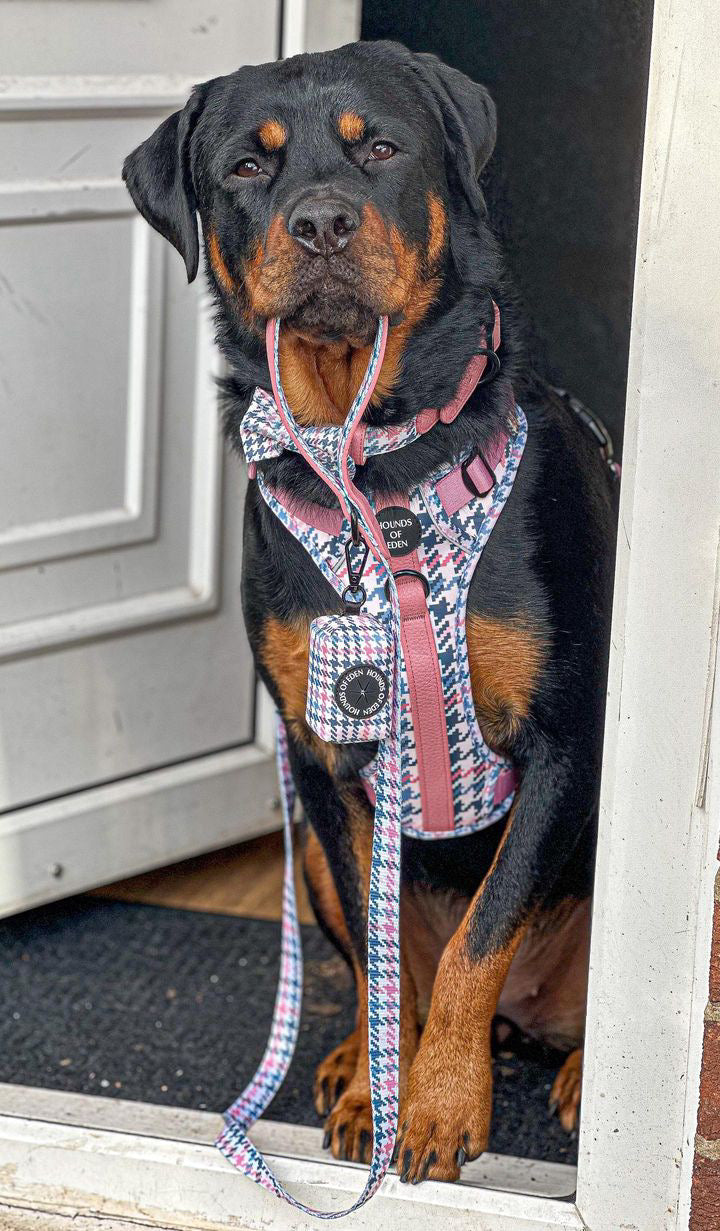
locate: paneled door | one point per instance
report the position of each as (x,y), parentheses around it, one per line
(128,727)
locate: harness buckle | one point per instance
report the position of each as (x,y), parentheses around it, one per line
(493,365)
(468,479)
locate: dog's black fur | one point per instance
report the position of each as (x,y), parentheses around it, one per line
(548,565)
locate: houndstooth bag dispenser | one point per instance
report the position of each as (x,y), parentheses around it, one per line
(350,668)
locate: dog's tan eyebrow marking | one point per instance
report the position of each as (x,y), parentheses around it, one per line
(273,136)
(351,126)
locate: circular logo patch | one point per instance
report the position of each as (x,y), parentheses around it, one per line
(401,529)
(362,690)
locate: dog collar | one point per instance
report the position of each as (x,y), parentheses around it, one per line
(264,429)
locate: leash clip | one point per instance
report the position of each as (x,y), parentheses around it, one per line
(354,594)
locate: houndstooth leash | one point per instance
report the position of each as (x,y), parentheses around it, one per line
(383,943)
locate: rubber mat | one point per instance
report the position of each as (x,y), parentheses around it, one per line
(173,1006)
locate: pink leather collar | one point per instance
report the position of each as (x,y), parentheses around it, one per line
(425,420)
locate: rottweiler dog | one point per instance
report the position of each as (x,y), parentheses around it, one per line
(333,188)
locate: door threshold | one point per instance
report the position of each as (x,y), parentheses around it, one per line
(142,1164)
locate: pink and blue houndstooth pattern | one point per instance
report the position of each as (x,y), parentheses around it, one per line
(383,999)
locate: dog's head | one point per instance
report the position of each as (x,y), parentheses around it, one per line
(328,186)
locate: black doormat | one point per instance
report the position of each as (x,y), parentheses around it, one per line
(173,1006)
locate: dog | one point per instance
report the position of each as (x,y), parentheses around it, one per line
(332,189)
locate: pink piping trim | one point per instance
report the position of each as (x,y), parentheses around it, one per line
(505,783)
(330,521)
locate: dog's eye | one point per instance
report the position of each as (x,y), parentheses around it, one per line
(382,150)
(247,168)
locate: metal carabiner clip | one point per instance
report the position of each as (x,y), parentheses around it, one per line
(354,586)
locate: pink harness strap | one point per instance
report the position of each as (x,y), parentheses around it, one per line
(474,478)
(426,694)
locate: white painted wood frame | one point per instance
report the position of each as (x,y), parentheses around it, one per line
(115,1164)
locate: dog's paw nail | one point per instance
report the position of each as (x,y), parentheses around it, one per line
(553,1106)
(326,1139)
(460,1156)
(407,1163)
(431,1158)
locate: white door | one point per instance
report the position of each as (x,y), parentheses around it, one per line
(127,699)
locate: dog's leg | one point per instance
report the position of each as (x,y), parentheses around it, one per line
(446,1114)
(565,1094)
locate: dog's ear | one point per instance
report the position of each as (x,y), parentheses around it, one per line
(159,179)
(468,116)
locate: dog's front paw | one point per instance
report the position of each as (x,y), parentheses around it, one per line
(334,1074)
(445,1119)
(348,1128)
(565,1094)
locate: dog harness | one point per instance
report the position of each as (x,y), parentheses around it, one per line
(392,668)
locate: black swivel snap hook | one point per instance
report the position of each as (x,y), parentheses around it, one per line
(354,594)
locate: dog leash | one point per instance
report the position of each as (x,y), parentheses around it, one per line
(383,945)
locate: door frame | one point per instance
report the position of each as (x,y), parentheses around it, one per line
(116,1163)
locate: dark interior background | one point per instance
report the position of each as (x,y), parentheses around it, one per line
(569,80)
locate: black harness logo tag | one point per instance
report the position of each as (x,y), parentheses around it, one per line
(401,529)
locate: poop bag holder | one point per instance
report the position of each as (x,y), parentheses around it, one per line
(350,665)
(349,678)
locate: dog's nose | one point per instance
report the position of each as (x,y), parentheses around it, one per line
(323,225)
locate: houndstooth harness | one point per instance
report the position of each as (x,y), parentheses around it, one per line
(393,668)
